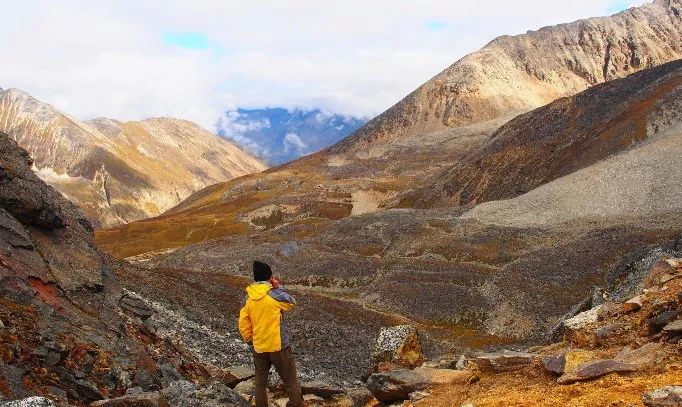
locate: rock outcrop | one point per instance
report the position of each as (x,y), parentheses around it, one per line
(399,346)
(67,330)
(118,172)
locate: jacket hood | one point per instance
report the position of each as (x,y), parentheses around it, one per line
(258,290)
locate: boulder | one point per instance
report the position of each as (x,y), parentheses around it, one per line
(609,330)
(147,380)
(217,394)
(668,396)
(554,363)
(609,309)
(595,369)
(29,402)
(168,374)
(575,358)
(650,354)
(87,391)
(245,388)
(321,389)
(444,376)
(179,393)
(153,399)
(397,385)
(633,304)
(418,395)
(658,322)
(503,361)
(675,326)
(583,319)
(661,272)
(398,345)
(359,397)
(235,374)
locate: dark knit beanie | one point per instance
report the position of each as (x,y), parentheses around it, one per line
(261,271)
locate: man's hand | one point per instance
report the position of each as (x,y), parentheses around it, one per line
(274,282)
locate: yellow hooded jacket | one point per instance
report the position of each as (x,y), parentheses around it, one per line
(260,318)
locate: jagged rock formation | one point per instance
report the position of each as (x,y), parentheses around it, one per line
(515,74)
(66,330)
(119,172)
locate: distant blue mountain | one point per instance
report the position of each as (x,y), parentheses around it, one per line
(279,135)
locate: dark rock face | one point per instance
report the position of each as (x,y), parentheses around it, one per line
(658,322)
(136,307)
(62,332)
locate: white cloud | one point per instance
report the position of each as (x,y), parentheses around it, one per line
(356,57)
(292,140)
(234,126)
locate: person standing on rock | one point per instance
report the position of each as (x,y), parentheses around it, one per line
(261,324)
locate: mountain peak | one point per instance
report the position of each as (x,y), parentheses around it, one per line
(120,171)
(514,74)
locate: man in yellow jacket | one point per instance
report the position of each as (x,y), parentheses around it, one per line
(261,323)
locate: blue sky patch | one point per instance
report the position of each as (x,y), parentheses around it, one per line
(436,25)
(189,40)
(618,6)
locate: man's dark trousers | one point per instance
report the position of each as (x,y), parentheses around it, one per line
(286,368)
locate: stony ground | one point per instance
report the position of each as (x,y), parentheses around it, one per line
(633,334)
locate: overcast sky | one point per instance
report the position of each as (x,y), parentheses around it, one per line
(194,59)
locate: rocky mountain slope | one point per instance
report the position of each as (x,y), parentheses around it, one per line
(515,74)
(120,172)
(68,331)
(561,138)
(279,135)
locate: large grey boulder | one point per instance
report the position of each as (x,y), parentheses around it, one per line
(398,345)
